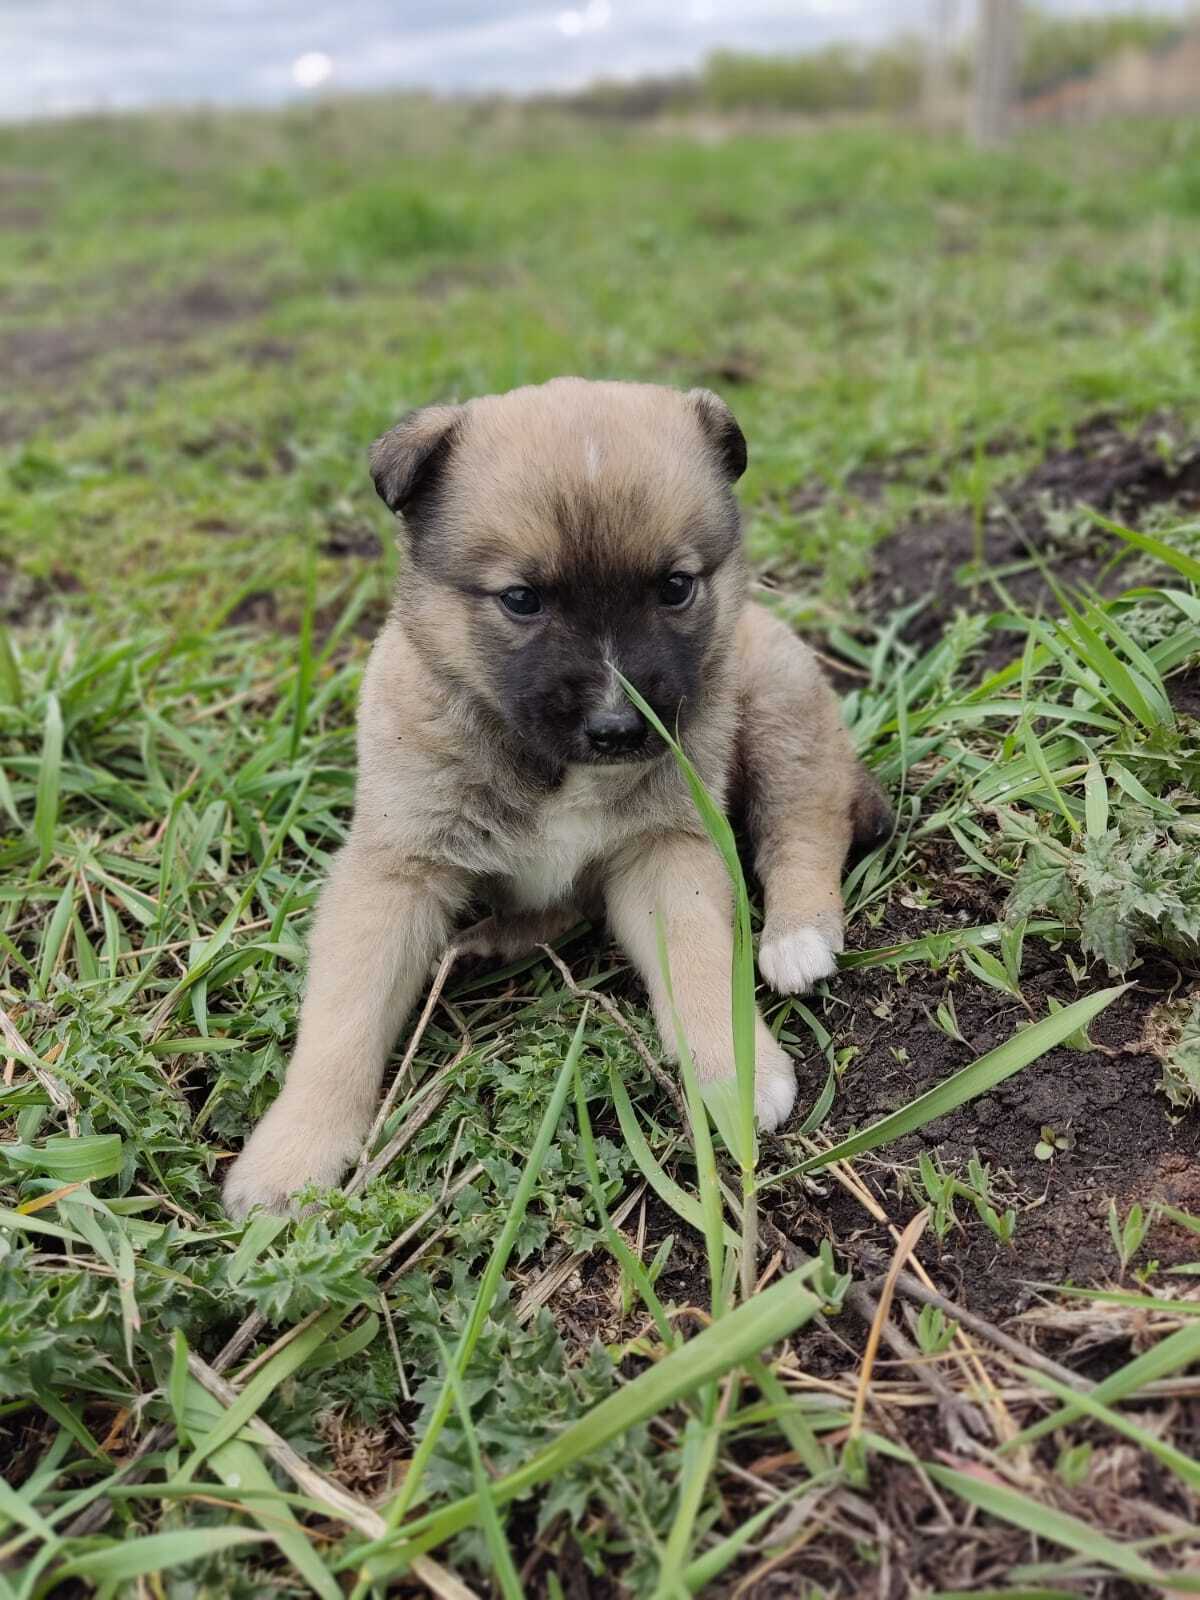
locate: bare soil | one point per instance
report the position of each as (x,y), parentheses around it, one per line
(140,345)
(39,352)
(1105,469)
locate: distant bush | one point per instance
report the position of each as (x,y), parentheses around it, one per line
(887,79)
(1055,48)
(643,97)
(834,79)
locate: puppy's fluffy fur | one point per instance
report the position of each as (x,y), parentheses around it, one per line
(555,536)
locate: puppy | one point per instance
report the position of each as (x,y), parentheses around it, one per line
(556,536)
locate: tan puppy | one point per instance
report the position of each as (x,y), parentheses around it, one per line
(556,536)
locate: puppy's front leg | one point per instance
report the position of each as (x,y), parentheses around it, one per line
(684,879)
(378,923)
(808,799)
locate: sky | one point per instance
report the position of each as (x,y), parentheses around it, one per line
(61,56)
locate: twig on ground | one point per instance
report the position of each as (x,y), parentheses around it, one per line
(556,1273)
(965,1352)
(963,1420)
(339,1502)
(432,1095)
(59,1097)
(913,1289)
(905,1246)
(402,1071)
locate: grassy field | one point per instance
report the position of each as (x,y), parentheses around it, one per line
(517,1359)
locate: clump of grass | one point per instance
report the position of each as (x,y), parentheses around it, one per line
(383,225)
(545,1303)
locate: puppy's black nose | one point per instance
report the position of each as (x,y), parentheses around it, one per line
(613,733)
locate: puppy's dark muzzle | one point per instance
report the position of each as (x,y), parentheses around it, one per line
(616,733)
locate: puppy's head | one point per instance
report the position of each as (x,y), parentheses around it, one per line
(561,535)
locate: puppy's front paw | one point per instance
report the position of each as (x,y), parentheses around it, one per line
(282,1157)
(774,1091)
(774,1077)
(793,959)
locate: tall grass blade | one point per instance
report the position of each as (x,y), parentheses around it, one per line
(49,784)
(1056,1527)
(979,1078)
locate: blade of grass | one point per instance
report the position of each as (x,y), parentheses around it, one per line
(1056,1527)
(979,1078)
(711,1205)
(503,1569)
(49,784)
(740,1133)
(239,1465)
(133,1558)
(1166,553)
(630,1263)
(681,1203)
(1184,1468)
(1178,1349)
(259,1388)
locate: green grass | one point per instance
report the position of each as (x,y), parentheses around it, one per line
(211,321)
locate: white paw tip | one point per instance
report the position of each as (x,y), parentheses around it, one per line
(795,961)
(774,1099)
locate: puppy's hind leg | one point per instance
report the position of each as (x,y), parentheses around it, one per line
(808,801)
(378,923)
(508,937)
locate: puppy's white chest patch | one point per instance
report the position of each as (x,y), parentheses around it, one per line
(573,828)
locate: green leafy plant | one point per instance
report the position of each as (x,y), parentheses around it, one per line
(935,1331)
(1138,882)
(1129,1235)
(1053,1140)
(1180,1080)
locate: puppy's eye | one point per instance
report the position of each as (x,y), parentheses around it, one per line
(676,590)
(521,602)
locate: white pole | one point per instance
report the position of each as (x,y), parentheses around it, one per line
(937,89)
(995,71)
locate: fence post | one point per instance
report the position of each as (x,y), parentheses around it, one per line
(937,78)
(996,50)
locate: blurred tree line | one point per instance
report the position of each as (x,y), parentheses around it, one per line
(886,79)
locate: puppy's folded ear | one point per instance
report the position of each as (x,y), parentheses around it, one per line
(871,818)
(720,426)
(406,461)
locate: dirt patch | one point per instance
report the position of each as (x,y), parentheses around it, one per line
(1119,1142)
(26,601)
(48,352)
(352,539)
(1117,473)
(735,366)
(262,609)
(21,219)
(865,485)
(1120,1138)
(259,609)
(1184,691)
(23,180)
(268,352)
